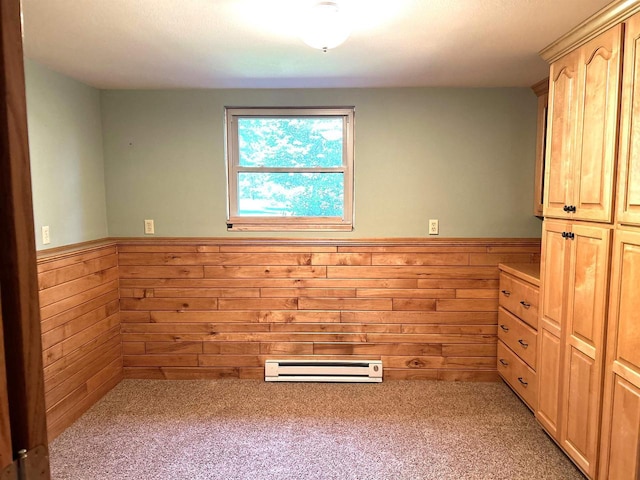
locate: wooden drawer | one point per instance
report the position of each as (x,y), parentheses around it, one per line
(518,336)
(518,375)
(520,298)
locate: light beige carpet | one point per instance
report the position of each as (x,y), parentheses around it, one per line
(245,429)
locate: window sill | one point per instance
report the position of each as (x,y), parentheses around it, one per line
(298,227)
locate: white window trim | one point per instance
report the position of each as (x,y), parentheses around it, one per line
(236,222)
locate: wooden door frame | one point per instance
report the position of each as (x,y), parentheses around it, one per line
(6,449)
(18,269)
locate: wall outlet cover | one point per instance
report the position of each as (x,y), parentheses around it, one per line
(149,228)
(46,237)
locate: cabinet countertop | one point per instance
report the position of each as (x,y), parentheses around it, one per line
(529,272)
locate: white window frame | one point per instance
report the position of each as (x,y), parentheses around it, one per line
(235,222)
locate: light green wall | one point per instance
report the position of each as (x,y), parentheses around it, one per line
(67,168)
(463,156)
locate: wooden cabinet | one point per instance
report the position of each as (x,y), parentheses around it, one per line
(619,458)
(574,280)
(519,292)
(583,356)
(518,336)
(548,381)
(517,329)
(582,130)
(553,268)
(563,80)
(628,210)
(541,89)
(521,378)
(591,405)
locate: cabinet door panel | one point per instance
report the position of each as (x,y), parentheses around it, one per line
(587,284)
(548,381)
(620,457)
(629,163)
(585,323)
(553,272)
(598,126)
(623,433)
(561,130)
(628,334)
(541,144)
(553,268)
(579,435)
(621,404)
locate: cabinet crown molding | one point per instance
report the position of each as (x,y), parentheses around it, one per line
(541,87)
(611,15)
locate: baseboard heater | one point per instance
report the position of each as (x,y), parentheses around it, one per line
(359,371)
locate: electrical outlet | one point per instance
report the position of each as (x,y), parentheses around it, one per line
(433,227)
(46,238)
(149,228)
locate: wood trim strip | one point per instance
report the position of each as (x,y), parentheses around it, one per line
(611,15)
(326,245)
(52,254)
(347,242)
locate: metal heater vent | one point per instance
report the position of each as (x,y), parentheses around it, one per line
(359,371)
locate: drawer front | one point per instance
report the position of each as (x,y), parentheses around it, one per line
(518,375)
(520,298)
(518,336)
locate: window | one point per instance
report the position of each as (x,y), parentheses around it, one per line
(290,168)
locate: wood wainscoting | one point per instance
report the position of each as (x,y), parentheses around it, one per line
(80,321)
(214,308)
(220,308)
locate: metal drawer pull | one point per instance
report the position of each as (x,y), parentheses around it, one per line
(523,343)
(506,293)
(504,328)
(503,362)
(524,384)
(525,304)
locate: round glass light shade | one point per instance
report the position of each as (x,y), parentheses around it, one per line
(324,26)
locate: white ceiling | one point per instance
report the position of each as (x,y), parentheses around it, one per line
(254,43)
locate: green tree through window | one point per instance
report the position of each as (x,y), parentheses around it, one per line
(290,168)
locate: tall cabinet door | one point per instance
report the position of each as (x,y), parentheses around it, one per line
(619,456)
(629,162)
(586,304)
(562,118)
(553,271)
(596,135)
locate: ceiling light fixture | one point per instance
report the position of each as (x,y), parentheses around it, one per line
(325,26)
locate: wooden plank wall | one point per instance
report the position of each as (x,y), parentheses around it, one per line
(212,308)
(207,309)
(80,320)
